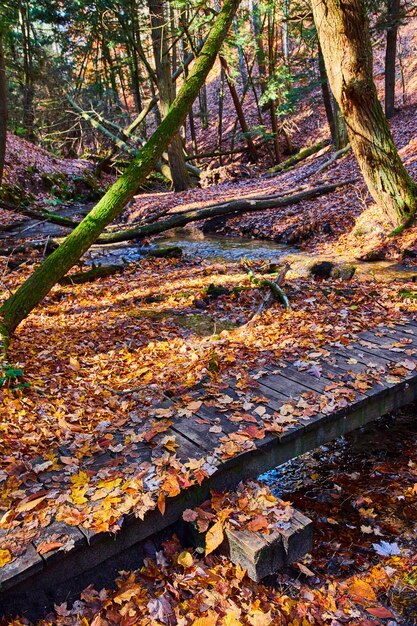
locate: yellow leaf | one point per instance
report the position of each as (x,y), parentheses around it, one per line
(214,537)
(231,619)
(259,618)
(74,365)
(185,559)
(78,495)
(79,479)
(5,557)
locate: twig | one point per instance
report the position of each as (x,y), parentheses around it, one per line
(276,293)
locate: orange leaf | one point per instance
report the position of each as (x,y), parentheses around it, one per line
(214,537)
(45,546)
(161,503)
(28,505)
(361,590)
(259,522)
(210,620)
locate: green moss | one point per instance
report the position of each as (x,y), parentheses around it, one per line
(200,324)
(405,294)
(88,186)
(15,194)
(57,183)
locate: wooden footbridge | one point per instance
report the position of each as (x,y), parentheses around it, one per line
(306,403)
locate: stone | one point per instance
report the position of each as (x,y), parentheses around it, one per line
(345,272)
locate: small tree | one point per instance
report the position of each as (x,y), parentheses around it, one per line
(344,38)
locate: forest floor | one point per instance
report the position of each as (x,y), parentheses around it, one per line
(97,357)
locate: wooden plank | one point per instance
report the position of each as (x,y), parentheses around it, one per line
(386,343)
(262,555)
(23,567)
(288,387)
(301,376)
(59,531)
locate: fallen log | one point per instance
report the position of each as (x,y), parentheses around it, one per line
(37,214)
(48,245)
(300,156)
(97,271)
(212,155)
(243,205)
(172,252)
(334,157)
(34,289)
(98,122)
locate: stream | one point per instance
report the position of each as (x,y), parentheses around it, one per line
(194,243)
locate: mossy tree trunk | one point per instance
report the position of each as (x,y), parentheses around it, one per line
(38,285)
(344,38)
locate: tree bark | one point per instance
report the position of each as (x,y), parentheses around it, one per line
(393,15)
(334,115)
(38,285)
(180,178)
(344,38)
(3,108)
(28,86)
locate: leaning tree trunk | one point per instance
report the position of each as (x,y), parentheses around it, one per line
(3,108)
(239,110)
(393,15)
(344,37)
(38,285)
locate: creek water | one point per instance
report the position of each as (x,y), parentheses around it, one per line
(194,243)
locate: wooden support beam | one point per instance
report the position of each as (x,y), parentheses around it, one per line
(262,555)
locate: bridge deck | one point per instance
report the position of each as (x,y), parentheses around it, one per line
(240,432)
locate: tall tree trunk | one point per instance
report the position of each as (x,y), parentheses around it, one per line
(393,15)
(344,37)
(28,86)
(334,115)
(242,66)
(38,285)
(180,178)
(3,107)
